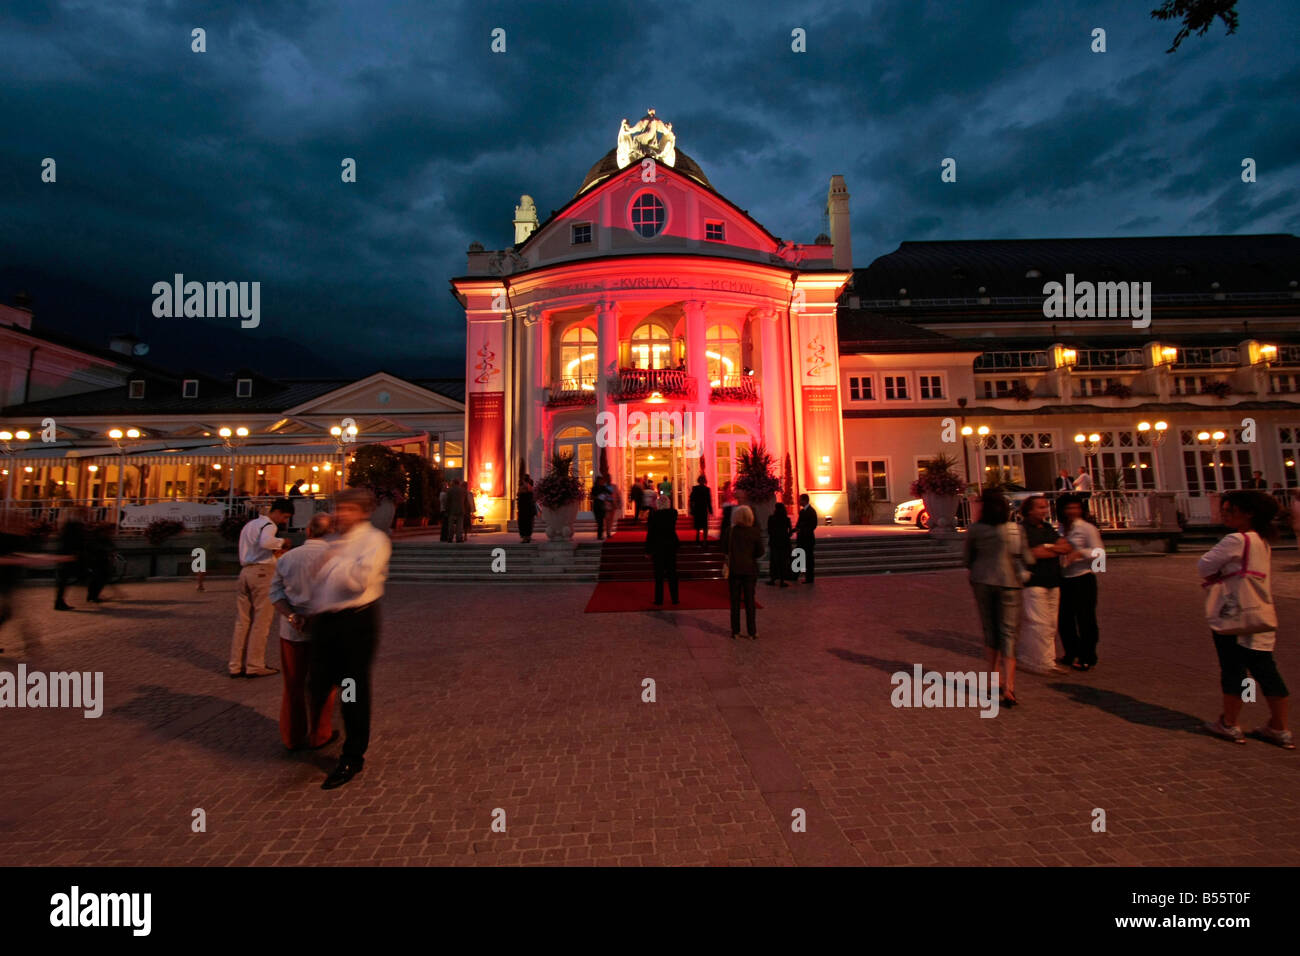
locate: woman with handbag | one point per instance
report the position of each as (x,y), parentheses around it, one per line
(998,555)
(1242,617)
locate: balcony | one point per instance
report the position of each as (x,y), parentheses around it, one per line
(1005,361)
(1206,358)
(639,384)
(571,393)
(1086,359)
(735,390)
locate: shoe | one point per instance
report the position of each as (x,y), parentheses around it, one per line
(1279,738)
(1009,699)
(1078,666)
(341,774)
(261,672)
(753,637)
(1220,729)
(236,673)
(735,637)
(63,606)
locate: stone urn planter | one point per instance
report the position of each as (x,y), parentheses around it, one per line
(762,511)
(941,489)
(383,515)
(942,510)
(560,521)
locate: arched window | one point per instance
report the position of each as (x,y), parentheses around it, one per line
(729,441)
(576,441)
(722,349)
(651,347)
(578,359)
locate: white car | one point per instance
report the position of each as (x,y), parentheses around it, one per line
(913,512)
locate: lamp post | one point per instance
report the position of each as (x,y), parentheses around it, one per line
(1155,436)
(6,439)
(344,434)
(232,439)
(1217,437)
(1088,446)
(977,439)
(121,439)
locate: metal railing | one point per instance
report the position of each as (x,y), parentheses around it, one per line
(38,512)
(1207,357)
(1108,358)
(634,384)
(999,361)
(571,392)
(741,389)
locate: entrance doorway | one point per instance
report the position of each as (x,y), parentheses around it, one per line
(577,441)
(1040,470)
(728,443)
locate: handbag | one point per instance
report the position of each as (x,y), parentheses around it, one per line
(1239,603)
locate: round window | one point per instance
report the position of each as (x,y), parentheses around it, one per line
(648,215)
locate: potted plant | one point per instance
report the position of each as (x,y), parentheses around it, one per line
(559,493)
(379,468)
(862,501)
(755,483)
(1219,389)
(160,529)
(939,487)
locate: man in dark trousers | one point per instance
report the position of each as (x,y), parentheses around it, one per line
(700,506)
(72,548)
(779,530)
(805,536)
(661,544)
(598,496)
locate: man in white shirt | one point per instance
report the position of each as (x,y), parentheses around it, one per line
(258,546)
(1083,488)
(291,590)
(1077,616)
(345,623)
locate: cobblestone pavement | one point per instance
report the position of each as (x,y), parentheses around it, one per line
(509,696)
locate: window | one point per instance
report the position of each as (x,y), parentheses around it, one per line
(651,347)
(1002,387)
(930,386)
(728,442)
(190,388)
(578,359)
(136,388)
(861,388)
(896,387)
(1210,468)
(722,349)
(243,388)
(648,215)
(715,231)
(581,234)
(872,473)
(1289,440)
(1284,383)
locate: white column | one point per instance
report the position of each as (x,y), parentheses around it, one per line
(772,384)
(607,315)
(697,366)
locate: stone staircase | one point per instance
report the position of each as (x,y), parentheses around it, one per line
(539,562)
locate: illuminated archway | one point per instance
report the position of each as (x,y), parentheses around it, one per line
(728,442)
(578,359)
(722,350)
(651,346)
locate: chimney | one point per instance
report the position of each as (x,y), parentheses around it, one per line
(837,210)
(525,218)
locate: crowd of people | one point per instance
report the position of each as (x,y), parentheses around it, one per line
(325,594)
(1035,583)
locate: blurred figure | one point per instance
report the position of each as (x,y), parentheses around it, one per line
(744,548)
(701,508)
(1077,618)
(301,725)
(599,496)
(1042,592)
(526,509)
(998,555)
(637,496)
(453,515)
(779,530)
(258,547)
(73,550)
(612,505)
(661,544)
(727,501)
(805,531)
(99,559)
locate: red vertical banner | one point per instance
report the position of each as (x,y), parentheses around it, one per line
(819,380)
(485,411)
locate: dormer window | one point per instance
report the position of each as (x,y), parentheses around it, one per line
(136,388)
(715,231)
(581,234)
(243,388)
(190,388)
(648,215)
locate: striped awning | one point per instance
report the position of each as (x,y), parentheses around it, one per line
(161,455)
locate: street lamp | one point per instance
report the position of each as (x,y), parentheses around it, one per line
(1088,446)
(1217,437)
(1155,436)
(977,439)
(344,434)
(122,439)
(232,439)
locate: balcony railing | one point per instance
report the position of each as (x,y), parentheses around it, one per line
(736,389)
(638,384)
(1108,358)
(571,392)
(1288,355)
(1206,358)
(1002,361)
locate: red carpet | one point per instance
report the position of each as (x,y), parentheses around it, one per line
(611,596)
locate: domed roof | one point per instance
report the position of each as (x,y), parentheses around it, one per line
(608,166)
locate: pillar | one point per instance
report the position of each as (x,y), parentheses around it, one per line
(772,384)
(607,319)
(697,366)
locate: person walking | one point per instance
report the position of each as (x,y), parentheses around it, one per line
(1083,488)
(1239,608)
(779,530)
(611,504)
(599,496)
(526,509)
(444,520)
(701,509)
(258,546)
(1042,593)
(1077,620)
(99,559)
(727,501)
(744,548)
(998,556)
(661,544)
(666,486)
(301,725)
(345,624)
(468,512)
(72,550)
(805,537)
(454,514)
(637,495)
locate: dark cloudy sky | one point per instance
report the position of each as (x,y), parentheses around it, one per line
(225,165)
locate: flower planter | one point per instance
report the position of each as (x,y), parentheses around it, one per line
(943,512)
(560,521)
